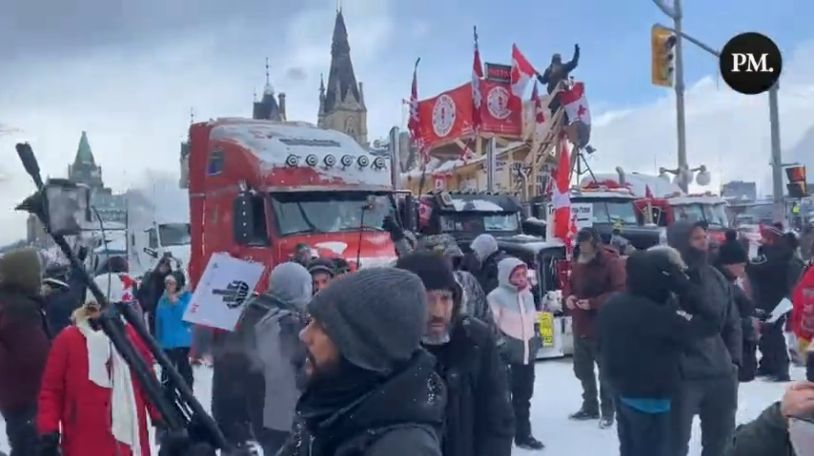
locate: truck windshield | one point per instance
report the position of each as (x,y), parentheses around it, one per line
(716,215)
(174,234)
(324,212)
(479,222)
(613,211)
(690,212)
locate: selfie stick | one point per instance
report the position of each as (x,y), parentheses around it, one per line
(176,416)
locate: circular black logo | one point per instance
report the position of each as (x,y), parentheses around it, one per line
(750,63)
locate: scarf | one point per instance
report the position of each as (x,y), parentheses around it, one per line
(324,403)
(125,427)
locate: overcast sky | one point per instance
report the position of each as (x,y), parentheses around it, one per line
(129,71)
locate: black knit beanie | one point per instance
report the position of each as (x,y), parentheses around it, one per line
(432,268)
(322,265)
(375,316)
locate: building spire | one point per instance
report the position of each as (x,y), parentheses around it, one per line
(341,78)
(268,88)
(84,154)
(191,115)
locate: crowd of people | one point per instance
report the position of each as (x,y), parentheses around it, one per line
(432,356)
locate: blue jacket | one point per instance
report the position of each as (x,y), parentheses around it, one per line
(170,328)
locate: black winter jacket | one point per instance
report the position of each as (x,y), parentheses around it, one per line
(487,276)
(642,342)
(479,416)
(766,435)
(401,417)
(773,276)
(60,304)
(716,355)
(238,386)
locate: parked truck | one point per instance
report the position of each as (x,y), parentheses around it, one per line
(259,189)
(157,226)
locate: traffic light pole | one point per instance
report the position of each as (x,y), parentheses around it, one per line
(779,209)
(675,14)
(779,212)
(683,166)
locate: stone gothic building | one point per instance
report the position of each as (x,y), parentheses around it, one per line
(112,207)
(342,102)
(269,108)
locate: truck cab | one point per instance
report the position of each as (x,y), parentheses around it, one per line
(615,206)
(157,226)
(258,189)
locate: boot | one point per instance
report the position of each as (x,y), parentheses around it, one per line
(606,422)
(584,415)
(781,378)
(528,442)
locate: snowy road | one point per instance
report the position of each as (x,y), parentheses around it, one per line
(557,394)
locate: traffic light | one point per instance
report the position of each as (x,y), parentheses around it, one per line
(797,181)
(662,43)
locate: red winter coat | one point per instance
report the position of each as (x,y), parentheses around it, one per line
(802,314)
(595,281)
(68,398)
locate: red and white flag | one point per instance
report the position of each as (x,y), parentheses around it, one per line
(522,72)
(561,195)
(647,193)
(477,75)
(576,104)
(414,124)
(538,128)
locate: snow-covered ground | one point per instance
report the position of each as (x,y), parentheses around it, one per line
(557,394)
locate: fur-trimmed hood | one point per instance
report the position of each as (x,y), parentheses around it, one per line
(21,270)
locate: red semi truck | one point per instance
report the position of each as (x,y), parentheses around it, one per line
(258,189)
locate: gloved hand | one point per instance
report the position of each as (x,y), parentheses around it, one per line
(48,445)
(678,280)
(390,225)
(249,448)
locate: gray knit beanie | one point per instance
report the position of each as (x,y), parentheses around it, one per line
(375,316)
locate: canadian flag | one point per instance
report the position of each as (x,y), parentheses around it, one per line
(560,195)
(414,124)
(522,72)
(576,104)
(538,129)
(477,75)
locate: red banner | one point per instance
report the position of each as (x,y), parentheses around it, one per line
(501,112)
(446,117)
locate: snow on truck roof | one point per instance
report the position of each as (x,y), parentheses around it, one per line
(332,155)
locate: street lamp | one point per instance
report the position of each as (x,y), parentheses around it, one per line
(683,177)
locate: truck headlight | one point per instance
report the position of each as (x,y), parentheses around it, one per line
(347,160)
(378,163)
(329,160)
(363,161)
(311,160)
(292,160)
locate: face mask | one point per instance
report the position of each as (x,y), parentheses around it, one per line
(801,434)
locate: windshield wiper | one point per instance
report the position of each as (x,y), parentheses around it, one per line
(359,227)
